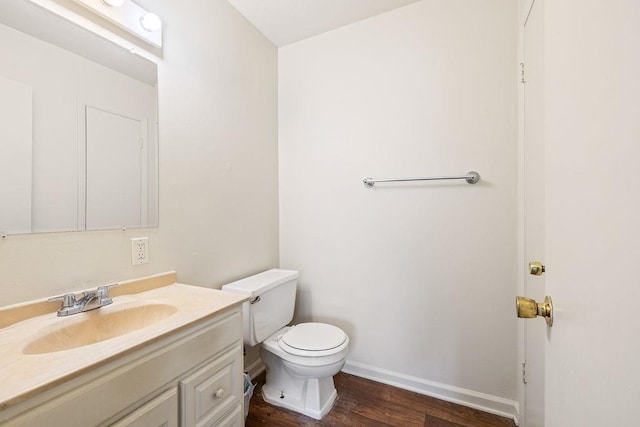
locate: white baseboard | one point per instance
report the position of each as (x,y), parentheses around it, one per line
(473,399)
(255,369)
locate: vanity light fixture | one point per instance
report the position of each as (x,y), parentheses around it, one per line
(150,22)
(128,15)
(113,3)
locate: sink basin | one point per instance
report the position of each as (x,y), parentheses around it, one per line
(94,326)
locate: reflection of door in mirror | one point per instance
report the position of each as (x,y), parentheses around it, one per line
(15,156)
(115,193)
(70,103)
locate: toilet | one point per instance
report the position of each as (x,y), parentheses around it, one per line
(301,360)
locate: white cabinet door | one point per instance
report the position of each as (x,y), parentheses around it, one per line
(234,419)
(160,412)
(209,392)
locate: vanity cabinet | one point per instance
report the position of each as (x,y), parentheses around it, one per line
(191,377)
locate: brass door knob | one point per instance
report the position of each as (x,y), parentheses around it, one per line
(536,268)
(528,308)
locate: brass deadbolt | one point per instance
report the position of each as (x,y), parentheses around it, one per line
(528,308)
(536,268)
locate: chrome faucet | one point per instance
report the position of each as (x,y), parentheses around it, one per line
(90,300)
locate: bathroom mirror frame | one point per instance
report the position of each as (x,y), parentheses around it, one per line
(52,185)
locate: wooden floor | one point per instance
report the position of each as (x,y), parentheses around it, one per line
(363,402)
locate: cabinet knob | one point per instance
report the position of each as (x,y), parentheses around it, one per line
(219,393)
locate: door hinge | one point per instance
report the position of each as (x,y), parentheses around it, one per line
(524,372)
(522,79)
(141,143)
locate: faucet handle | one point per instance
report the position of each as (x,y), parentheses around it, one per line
(68,300)
(102,292)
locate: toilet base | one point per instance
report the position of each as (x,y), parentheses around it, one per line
(287,386)
(314,398)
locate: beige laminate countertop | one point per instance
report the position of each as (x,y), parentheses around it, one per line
(25,375)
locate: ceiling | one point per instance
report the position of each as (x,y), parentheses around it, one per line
(288,21)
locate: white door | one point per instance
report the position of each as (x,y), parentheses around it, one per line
(592,141)
(534,209)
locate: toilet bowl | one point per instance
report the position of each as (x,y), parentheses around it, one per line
(300,360)
(301,379)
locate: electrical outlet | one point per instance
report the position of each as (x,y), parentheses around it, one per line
(140,250)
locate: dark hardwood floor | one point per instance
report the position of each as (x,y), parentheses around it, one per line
(363,402)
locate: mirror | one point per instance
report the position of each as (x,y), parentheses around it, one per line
(78,127)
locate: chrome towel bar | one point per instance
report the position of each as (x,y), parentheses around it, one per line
(471,177)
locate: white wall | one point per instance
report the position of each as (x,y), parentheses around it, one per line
(218,168)
(421,276)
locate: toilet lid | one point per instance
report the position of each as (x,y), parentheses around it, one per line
(314,337)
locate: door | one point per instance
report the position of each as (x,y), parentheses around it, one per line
(534,211)
(592,141)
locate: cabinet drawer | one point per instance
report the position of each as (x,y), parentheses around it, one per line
(161,411)
(212,390)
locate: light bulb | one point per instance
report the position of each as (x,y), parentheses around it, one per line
(150,22)
(113,3)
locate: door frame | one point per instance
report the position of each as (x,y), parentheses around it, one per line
(524,9)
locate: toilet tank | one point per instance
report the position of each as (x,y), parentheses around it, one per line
(273,298)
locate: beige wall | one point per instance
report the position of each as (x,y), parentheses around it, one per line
(218,169)
(421,276)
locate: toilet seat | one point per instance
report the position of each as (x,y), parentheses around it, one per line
(313,340)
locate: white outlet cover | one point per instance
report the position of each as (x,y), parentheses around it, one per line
(139,250)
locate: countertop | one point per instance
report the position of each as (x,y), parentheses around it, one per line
(26,375)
